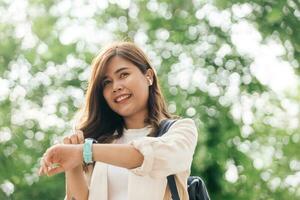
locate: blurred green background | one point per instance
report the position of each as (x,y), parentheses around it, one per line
(233,66)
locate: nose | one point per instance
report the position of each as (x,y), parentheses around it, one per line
(117,87)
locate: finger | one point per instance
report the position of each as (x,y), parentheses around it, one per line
(46,157)
(43,166)
(67,140)
(74,139)
(43,170)
(50,156)
(46,165)
(40,172)
(80,137)
(55,170)
(54,154)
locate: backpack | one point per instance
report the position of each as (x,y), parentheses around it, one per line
(196,186)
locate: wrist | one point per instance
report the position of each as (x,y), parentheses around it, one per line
(75,170)
(87,151)
(80,151)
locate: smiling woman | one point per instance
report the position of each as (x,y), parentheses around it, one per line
(123,94)
(116,136)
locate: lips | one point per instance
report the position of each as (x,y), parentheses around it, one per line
(122,98)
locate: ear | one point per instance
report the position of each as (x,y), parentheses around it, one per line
(149,76)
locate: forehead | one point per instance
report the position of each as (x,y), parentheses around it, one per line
(117,63)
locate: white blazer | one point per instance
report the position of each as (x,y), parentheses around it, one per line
(169,154)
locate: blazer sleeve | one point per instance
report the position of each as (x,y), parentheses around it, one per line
(170,153)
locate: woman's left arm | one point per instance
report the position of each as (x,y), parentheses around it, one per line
(68,156)
(157,157)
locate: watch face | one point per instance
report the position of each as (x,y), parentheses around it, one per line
(94,141)
(87,150)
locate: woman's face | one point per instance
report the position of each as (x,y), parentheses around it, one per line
(126,88)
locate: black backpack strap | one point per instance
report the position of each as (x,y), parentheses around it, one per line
(173,187)
(162,129)
(164,126)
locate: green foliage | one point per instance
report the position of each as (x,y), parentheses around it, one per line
(43,82)
(274,17)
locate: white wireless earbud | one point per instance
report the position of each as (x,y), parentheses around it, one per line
(150,82)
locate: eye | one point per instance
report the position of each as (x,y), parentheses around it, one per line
(124,75)
(105,82)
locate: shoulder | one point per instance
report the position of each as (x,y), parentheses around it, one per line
(184,125)
(184,130)
(184,122)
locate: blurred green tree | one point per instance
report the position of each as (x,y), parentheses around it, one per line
(248,135)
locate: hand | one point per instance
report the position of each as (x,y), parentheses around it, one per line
(76,138)
(48,168)
(61,157)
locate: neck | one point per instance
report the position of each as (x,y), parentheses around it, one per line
(136,121)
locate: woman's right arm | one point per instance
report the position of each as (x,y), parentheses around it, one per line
(76,181)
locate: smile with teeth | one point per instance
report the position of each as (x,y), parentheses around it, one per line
(121,98)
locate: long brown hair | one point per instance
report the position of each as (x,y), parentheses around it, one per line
(98,120)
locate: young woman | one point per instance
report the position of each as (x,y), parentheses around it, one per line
(123,109)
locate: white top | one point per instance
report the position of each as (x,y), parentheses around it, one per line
(171,153)
(117,177)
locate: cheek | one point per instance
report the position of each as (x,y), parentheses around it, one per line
(106,96)
(143,93)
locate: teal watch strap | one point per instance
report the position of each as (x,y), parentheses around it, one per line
(87,151)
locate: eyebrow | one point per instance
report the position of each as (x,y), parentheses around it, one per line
(117,71)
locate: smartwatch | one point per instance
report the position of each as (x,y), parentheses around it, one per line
(87,150)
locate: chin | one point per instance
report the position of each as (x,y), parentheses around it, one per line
(123,113)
